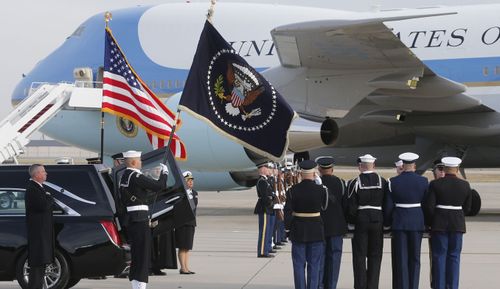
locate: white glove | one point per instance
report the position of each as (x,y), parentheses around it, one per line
(164,169)
(317,180)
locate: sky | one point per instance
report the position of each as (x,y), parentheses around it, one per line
(31,29)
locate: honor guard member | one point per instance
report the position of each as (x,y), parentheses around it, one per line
(404,214)
(365,198)
(447,202)
(333,221)
(263,209)
(135,190)
(40,227)
(399,168)
(438,172)
(305,201)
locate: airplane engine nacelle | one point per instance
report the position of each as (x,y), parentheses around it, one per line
(307,135)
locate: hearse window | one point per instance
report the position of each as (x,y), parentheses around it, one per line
(12,201)
(154,170)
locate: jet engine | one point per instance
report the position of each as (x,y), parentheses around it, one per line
(306,135)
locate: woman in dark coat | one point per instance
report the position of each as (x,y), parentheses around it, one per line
(40,226)
(184,235)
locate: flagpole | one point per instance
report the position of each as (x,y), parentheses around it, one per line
(211,10)
(174,127)
(107,18)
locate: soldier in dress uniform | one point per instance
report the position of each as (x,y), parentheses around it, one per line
(305,201)
(40,226)
(264,209)
(135,190)
(333,220)
(404,214)
(365,198)
(438,172)
(447,202)
(399,169)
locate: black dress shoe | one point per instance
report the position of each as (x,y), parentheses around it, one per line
(157,273)
(276,247)
(273,251)
(191,272)
(265,256)
(185,272)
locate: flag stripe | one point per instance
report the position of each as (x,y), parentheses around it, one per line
(122,109)
(114,98)
(113,81)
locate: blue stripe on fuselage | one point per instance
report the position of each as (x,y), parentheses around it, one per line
(467,69)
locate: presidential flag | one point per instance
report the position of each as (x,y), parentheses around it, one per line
(125,94)
(223,90)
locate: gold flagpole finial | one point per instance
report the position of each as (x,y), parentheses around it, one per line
(211,10)
(108,17)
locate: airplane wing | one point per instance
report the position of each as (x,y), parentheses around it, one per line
(327,67)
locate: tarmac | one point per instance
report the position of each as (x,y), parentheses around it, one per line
(224,254)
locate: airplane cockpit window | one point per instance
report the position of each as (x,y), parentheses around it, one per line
(78,31)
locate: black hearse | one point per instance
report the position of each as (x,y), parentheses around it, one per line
(89,241)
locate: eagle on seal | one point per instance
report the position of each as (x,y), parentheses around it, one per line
(245,88)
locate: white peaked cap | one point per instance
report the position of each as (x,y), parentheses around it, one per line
(398,163)
(451,162)
(408,157)
(131,154)
(188,175)
(367,158)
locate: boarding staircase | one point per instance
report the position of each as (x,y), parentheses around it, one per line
(33,112)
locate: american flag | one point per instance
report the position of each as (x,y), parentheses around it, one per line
(126,95)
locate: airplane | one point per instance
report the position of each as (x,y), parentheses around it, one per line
(384,82)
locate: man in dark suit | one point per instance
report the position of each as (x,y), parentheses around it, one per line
(135,190)
(40,226)
(446,204)
(365,199)
(404,214)
(333,221)
(303,207)
(264,209)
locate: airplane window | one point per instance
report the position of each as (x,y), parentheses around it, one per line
(486,71)
(177,84)
(12,201)
(162,84)
(497,70)
(153,84)
(170,84)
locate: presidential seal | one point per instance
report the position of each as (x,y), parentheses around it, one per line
(126,127)
(237,93)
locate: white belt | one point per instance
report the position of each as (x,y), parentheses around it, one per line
(369,207)
(138,208)
(449,207)
(407,206)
